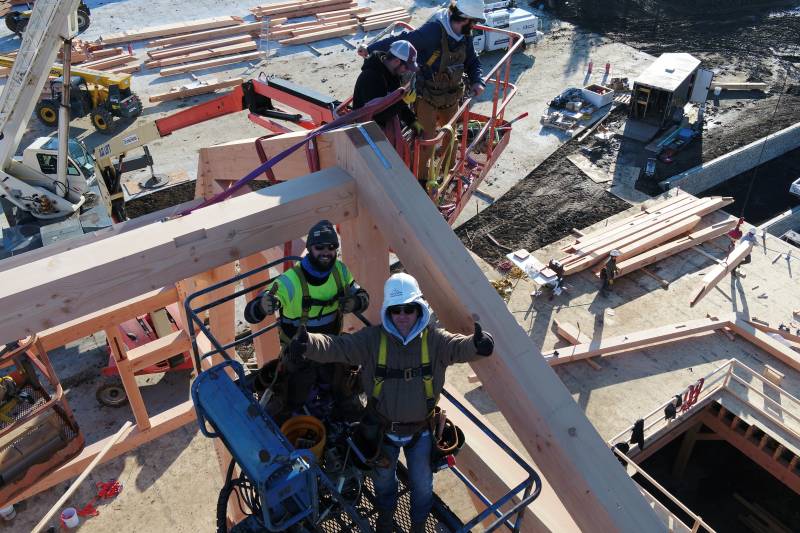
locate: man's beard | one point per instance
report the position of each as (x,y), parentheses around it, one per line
(315,262)
(467,29)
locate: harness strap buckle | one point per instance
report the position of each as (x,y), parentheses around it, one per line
(408,374)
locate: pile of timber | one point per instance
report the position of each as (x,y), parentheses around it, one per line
(301,8)
(659,231)
(328,23)
(381,19)
(155,32)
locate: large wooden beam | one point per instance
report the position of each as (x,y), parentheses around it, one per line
(715,275)
(594,488)
(170,29)
(633,341)
(673,247)
(53,290)
(766,342)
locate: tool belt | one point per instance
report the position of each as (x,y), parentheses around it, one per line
(442,95)
(445,86)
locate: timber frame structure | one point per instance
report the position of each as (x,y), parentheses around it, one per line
(97,281)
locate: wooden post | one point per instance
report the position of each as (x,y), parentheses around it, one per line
(685,452)
(266,345)
(366,254)
(589,481)
(126,374)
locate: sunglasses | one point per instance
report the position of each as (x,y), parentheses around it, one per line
(323,247)
(406,309)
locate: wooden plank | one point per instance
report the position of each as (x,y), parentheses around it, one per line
(633,341)
(204,54)
(176,93)
(106,318)
(574,336)
(673,247)
(252,28)
(237,158)
(73,283)
(161,424)
(767,343)
(126,70)
(769,328)
(380,12)
(573,457)
(646,234)
(189,48)
(105,64)
(170,29)
(118,350)
(311,5)
(201,65)
(718,272)
(355,10)
(651,223)
(741,86)
(383,23)
(159,350)
(266,346)
(320,35)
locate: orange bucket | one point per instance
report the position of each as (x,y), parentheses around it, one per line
(306,432)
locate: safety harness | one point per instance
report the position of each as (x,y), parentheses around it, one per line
(424,370)
(445,87)
(308,302)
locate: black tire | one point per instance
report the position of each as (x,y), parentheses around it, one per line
(11,23)
(83,19)
(103,121)
(111,394)
(47,113)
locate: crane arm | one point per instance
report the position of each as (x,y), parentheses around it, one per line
(48,26)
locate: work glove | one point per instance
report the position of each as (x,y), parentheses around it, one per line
(297,347)
(484,342)
(476,89)
(354,303)
(260,307)
(362,50)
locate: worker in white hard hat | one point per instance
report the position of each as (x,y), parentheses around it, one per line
(381,74)
(609,271)
(403,365)
(446,53)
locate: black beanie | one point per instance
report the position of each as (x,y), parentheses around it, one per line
(322,233)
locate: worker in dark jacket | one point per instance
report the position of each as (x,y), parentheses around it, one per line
(382,74)
(445,53)
(403,366)
(315,293)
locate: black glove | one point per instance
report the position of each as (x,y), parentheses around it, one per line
(259,308)
(354,303)
(297,347)
(484,342)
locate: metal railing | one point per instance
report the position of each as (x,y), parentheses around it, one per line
(723,379)
(524,492)
(465,172)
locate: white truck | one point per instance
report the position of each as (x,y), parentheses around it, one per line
(506,16)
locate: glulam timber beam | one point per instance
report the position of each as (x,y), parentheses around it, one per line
(592,485)
(55,289)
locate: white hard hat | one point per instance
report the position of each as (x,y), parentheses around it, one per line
(405,51)
(473,9)
(401,289)
(615,253)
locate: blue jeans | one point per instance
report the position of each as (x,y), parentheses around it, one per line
(420,477)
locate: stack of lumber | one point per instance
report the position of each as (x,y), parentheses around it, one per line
(382,19)
(155,32)
(201,51)
(250,28)
(659,231)
(301,8)
(115,63)
(329,22)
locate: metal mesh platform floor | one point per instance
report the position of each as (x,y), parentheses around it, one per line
(441,519)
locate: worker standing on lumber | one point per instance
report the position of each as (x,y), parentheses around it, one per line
(382,74)
(315,293)
(446,53)
(403,366)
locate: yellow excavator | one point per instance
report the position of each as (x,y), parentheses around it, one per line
(102,95)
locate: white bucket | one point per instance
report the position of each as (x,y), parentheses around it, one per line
(8,513)
(70,517)
(717,91)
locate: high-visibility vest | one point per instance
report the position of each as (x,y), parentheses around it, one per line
(424,370)
(301,302)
